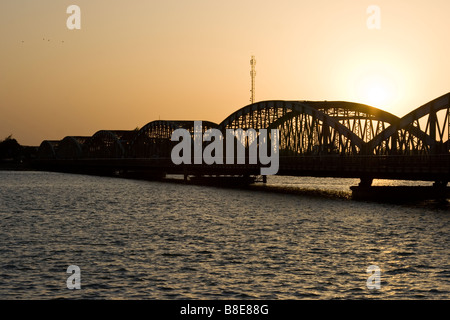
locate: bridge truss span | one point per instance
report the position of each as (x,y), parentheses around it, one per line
(424,131)
(316,138)
(154,139)
(310,127)
(111,144)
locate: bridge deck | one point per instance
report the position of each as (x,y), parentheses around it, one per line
(425,168)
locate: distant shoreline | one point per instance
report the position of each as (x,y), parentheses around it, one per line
(11,165)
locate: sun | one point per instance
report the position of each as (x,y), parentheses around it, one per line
(376,88)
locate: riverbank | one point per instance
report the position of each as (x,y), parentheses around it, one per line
(12,165)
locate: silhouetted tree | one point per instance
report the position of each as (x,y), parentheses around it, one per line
(10,148)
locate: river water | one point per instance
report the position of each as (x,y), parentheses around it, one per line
(152,240)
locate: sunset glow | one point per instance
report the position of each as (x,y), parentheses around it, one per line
(225,159)
(376,89)
(132,62)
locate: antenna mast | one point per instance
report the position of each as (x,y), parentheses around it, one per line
(253,74)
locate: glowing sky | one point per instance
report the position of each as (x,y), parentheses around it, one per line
(136,61)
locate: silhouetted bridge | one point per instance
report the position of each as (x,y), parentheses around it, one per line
(316,138)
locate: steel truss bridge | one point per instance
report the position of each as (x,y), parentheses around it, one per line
(316,138)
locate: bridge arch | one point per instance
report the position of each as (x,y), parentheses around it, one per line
(109,144)
(425,130)
(48,149)
(363,120)
(154,139)
(304,129)
(71,147)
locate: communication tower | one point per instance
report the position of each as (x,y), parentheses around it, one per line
(253,74)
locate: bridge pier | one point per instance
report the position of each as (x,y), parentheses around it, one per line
(440,184)
(365,191)
(365,182)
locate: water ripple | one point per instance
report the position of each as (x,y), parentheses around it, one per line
(150,240)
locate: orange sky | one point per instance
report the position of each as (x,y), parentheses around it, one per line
(136,61)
